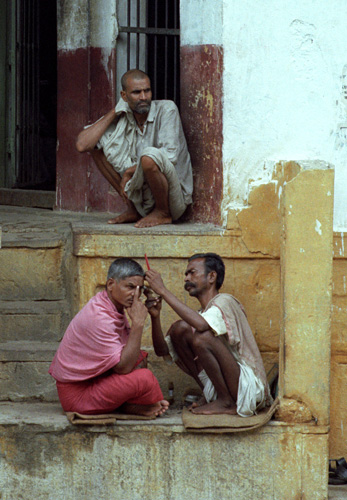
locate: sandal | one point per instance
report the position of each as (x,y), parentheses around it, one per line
(338,474)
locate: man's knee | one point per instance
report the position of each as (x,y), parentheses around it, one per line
(202,340)
(148,164)
(179,329)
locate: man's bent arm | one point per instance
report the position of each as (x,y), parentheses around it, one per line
(186,313)
(88,137)
(159,344)
(131,351)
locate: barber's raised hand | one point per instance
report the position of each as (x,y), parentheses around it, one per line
(153,304)
(155,281)
(137,311)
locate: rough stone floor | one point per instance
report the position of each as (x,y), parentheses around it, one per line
(37,222)
(51,416)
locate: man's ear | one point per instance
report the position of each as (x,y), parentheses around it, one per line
(212,277)
(123,95)
(109,284)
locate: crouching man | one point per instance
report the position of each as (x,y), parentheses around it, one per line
(215,346)
(99,366)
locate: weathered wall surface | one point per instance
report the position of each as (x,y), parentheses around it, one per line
(306,279)
(338,376)
(162,462)
(284,92)
(202,66)
(201,111)
(87,34)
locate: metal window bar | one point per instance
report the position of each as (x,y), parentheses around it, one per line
(138,34)
(155,72)
(166,49)
(165,42)
(28,97)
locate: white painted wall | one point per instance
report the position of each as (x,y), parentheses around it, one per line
(283,91)
(283,96)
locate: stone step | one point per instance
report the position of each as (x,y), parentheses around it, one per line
(27,351)
(27,198)
(24,371)
(43,456)
(44,321)
(32,274)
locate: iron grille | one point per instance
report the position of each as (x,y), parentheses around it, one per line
(153,35)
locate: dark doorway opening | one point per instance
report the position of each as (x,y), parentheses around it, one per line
(35,95)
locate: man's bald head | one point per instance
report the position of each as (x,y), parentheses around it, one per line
(134,74)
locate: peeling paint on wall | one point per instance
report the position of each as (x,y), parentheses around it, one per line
(284,92)
(318,227)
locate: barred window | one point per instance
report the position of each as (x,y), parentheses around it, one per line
(149,40)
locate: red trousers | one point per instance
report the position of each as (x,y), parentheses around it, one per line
(109,391)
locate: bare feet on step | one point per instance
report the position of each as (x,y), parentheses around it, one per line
(155,218)
(129,215)
(217,407)
(202,401)
(154,410)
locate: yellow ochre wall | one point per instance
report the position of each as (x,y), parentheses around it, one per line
(251,249)
(338,376)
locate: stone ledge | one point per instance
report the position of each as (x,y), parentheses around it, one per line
(28,198)
(51,415)
(165,245)
(27,351)
(32,306)
(42,320)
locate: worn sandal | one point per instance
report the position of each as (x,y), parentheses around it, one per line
(338,474)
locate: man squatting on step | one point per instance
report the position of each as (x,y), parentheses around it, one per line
(140,148)
(215,346)
(99,366)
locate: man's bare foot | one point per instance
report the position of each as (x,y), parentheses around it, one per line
(127,216)
(154,410)
(202,401)
(216,408)
(155,218)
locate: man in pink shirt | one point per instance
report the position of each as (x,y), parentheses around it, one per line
(99,366)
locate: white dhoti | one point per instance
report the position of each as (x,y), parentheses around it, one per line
(138,191)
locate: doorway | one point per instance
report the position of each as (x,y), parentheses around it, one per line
(29,94)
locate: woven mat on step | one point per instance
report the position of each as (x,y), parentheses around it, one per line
(107,419)
(227,423)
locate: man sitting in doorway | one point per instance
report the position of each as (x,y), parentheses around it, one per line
(140,148)
(215,346)
(99,366)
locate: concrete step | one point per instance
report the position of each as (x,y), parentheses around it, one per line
(337,492)
(43,456)
(27,198)
(36,288)
(27,351)
(24,371)
(43,321)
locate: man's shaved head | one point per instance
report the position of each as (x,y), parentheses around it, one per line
(136,74)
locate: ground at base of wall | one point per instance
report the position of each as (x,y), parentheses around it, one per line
(337,492)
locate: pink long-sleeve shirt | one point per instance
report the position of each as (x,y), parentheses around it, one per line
(93,341)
